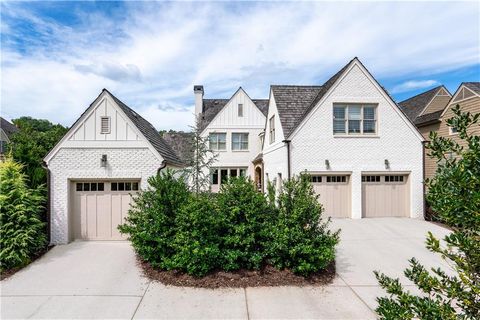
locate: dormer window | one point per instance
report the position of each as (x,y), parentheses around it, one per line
(104,125)
(240,110)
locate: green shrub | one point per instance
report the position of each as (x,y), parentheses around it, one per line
(151,222)
(454,193)
(245,213)
(22,231)
(300,238)
(197,238)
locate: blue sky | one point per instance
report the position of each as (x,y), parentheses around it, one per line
(57,56)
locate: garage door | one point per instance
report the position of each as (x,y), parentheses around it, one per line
(99,207)
(334,191)
(385,196)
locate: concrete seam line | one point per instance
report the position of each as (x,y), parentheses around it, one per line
(356,294)
(38,309)
(246,302)
(141,299)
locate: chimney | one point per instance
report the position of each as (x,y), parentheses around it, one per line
(198,91)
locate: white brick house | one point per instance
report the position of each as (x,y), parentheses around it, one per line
(363,154)
(234,128)
(108,153)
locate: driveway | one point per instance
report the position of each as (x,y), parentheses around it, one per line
(101,280)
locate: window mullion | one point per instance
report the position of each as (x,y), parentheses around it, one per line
(361,120)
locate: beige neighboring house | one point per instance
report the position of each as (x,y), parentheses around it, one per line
(430,110)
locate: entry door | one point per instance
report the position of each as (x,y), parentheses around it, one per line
(385,196)
(334,191)
(99,207)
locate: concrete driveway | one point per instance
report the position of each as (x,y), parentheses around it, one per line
(86,280)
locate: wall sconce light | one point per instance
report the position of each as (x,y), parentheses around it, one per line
(103,161)
(327,164)
(387,164)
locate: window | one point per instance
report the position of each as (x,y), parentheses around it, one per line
(225,173)
(233,173)
(393,178)
(316,179)
(214,176)
(243,172)
(124,186)
(104,125)
(272,129)
(218,141)
(240,110)
(354,119)
(370,178)
(334,179)
(239,141)
(453,130)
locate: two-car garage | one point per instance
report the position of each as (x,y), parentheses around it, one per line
(382,194)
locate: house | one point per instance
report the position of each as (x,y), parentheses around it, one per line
(107,154)
(234,128)
(6,131)
(363,154)
(430,110)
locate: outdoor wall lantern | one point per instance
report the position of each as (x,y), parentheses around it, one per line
(103,161)
(327,164)
(387,164)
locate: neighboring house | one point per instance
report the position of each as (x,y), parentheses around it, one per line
(438,110)
(6,131)
(108,153)
(363,154)
(234,128)
(181,143)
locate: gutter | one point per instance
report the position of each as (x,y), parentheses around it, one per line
(287,142)
(162,166)
(48,206)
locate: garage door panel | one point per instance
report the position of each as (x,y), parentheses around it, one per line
(91,215)
(104,216)
(384,197)
(116,214)
(334,196)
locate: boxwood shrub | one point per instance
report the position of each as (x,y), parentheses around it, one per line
(237,228)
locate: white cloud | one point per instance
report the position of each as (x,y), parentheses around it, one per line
(151,56)
(413,85)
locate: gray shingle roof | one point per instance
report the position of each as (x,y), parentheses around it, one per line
(211,107)
(150,133)
(412,107)
(294,103)
(7,127)
(181,142)
(474,86)
(425,119)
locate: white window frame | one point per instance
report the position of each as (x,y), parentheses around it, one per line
(240,109)
(241,172)
(272,129)
(451,131)
(109,125)
(362,106)
(241,134)
(216,147)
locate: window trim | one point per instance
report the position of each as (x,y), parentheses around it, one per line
(109,123)
(362,106)
(217,141)
(451,132)
(241,134)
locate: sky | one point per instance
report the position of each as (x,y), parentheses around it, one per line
(56,57)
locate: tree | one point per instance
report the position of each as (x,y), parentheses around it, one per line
(454,193)
(31,144)
(22,232)
(201,160)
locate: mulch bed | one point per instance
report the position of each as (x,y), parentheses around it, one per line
(267,277)
(8,273)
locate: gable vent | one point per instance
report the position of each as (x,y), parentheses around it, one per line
(105,125)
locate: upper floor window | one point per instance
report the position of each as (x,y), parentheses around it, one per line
(218,141)
(239,141)
(271,124)
(104,125)
(240,110)
(354,119)
(453,130)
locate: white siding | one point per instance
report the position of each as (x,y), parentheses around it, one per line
(313,142)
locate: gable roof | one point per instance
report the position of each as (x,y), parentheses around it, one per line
(7,127)
(428,118)
(474,86)
(150,133)
(413,107)
(212,107)
(294,103)
(181,142)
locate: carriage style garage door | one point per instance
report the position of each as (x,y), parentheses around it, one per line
(334,191)
(99,207)
(385,196)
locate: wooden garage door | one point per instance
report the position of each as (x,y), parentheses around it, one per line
(385,196)
(99,207)
(334,191)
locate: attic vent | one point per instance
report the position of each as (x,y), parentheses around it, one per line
(105,125)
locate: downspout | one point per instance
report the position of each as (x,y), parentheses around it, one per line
(423,179)
(45,166)
(288,158)
(162,166)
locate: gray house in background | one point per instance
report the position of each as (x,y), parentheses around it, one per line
(6,131)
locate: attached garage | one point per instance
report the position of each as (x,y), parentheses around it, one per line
(334,191)
(98,207)
(385,195)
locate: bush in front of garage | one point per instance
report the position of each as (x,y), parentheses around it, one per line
(238,228)
(22,230)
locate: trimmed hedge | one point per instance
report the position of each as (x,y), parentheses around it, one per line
(238,228)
